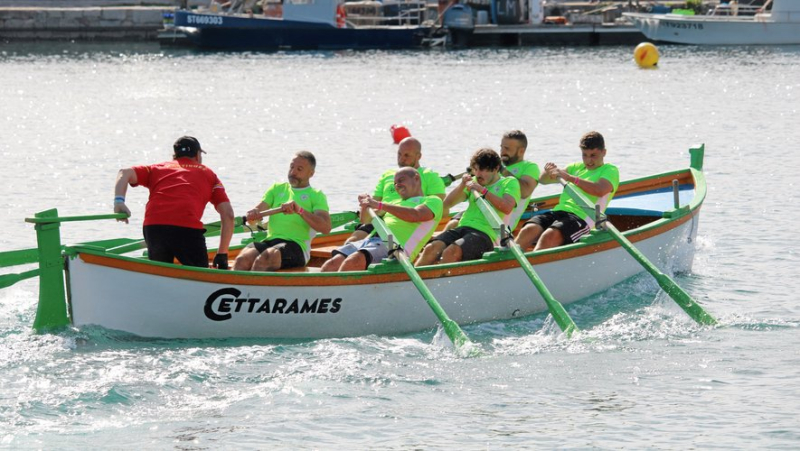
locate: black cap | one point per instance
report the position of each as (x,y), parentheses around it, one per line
(187,146)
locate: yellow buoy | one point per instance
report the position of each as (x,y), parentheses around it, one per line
(646,55)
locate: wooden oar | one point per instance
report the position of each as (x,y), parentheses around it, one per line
(677,293)
(451,328)
(555,308)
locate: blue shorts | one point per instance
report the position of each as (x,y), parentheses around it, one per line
(372,248)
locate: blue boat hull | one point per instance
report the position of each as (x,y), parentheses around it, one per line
(210,31)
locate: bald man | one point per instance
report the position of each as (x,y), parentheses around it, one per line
(409,154)
(412,221)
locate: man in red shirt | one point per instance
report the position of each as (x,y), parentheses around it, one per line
(179,192)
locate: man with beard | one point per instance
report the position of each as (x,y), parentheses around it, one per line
(304,213)
(474,235)
(409,153)
(512,153)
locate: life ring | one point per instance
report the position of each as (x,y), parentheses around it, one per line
(341,16)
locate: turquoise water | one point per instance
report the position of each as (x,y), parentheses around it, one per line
(641,375)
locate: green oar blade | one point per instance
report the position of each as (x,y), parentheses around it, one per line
(342,218)
(677,293)
(6,280)
(555,308)
(451,328)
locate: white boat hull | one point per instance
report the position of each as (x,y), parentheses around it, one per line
(701,30)
(183,303)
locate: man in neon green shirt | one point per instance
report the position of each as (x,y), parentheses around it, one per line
(566,223)
(412,221)
(304,213)
(409,154)
(474,235)
(512,152)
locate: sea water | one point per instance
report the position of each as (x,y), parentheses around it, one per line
(641,375)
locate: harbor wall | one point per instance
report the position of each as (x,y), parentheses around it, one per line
(84,23)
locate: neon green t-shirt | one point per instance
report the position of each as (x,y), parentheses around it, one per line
(432,185)
(518,170)
(473,216)
(414,235)
(292,227)
(607,171)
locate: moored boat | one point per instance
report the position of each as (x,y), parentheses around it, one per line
(780,26)
(321,25)
(658,213)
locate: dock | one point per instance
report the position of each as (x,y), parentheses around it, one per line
(536,35)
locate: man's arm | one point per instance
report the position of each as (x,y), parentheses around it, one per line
(318,220)
(526,186)
(550,174)
(420,213)
(253,215)
(457,195)
(125,177)
(226,216)
(504,204)
(599,188)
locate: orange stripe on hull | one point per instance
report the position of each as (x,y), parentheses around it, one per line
(361,278)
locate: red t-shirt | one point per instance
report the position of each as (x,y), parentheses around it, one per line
(179,192)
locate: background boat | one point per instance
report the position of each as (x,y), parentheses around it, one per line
(321,24)
(780,26)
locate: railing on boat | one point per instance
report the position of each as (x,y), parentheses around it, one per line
(735,9)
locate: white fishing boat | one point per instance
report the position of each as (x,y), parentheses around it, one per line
(778,26)
(93,284)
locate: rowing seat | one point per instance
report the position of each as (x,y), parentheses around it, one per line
(323,251)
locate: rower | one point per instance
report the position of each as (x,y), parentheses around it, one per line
(512,152)
(412,221)
(474,235)
(567,222)
(409,154)
(304,214)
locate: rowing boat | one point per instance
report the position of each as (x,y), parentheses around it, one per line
(92,284)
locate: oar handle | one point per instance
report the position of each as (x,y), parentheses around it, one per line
(54,219)
(263,214)
(450,178)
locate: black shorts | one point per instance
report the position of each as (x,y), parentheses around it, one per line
(165,243)
(473,243)
(291,253)
(366,228)
(570,225)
